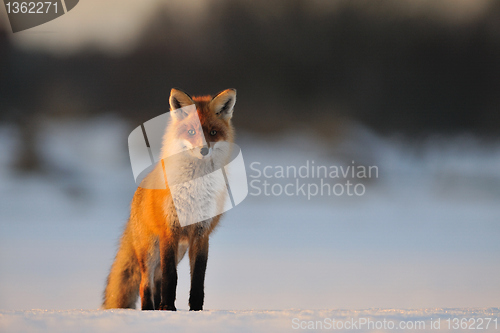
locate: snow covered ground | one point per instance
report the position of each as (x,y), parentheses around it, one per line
(372,320)
(425,235)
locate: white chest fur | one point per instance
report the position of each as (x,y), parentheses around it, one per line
(198,192)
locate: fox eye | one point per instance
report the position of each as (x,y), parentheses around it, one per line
(191,132)
(213,132)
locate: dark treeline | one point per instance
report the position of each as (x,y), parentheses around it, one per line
(293,65)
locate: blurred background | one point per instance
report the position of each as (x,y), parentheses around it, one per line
(411,86)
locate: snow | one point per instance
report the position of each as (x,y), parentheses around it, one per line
(129,321)
(424,235)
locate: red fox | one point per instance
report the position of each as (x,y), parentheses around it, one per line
(154,241)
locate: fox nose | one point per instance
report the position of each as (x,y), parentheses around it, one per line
(204,151)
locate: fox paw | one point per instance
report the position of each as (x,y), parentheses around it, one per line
(167,307)
(196,309)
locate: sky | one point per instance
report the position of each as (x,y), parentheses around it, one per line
(115,26)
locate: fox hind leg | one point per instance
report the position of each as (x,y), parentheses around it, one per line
(168,260)
(148,262)
(145,289)
(157,287)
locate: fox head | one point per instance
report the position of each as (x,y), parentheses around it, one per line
(198,123)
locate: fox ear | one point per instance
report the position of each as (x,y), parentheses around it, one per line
(179,99)
(223,103)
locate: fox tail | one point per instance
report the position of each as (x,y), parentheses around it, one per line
(122,286)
